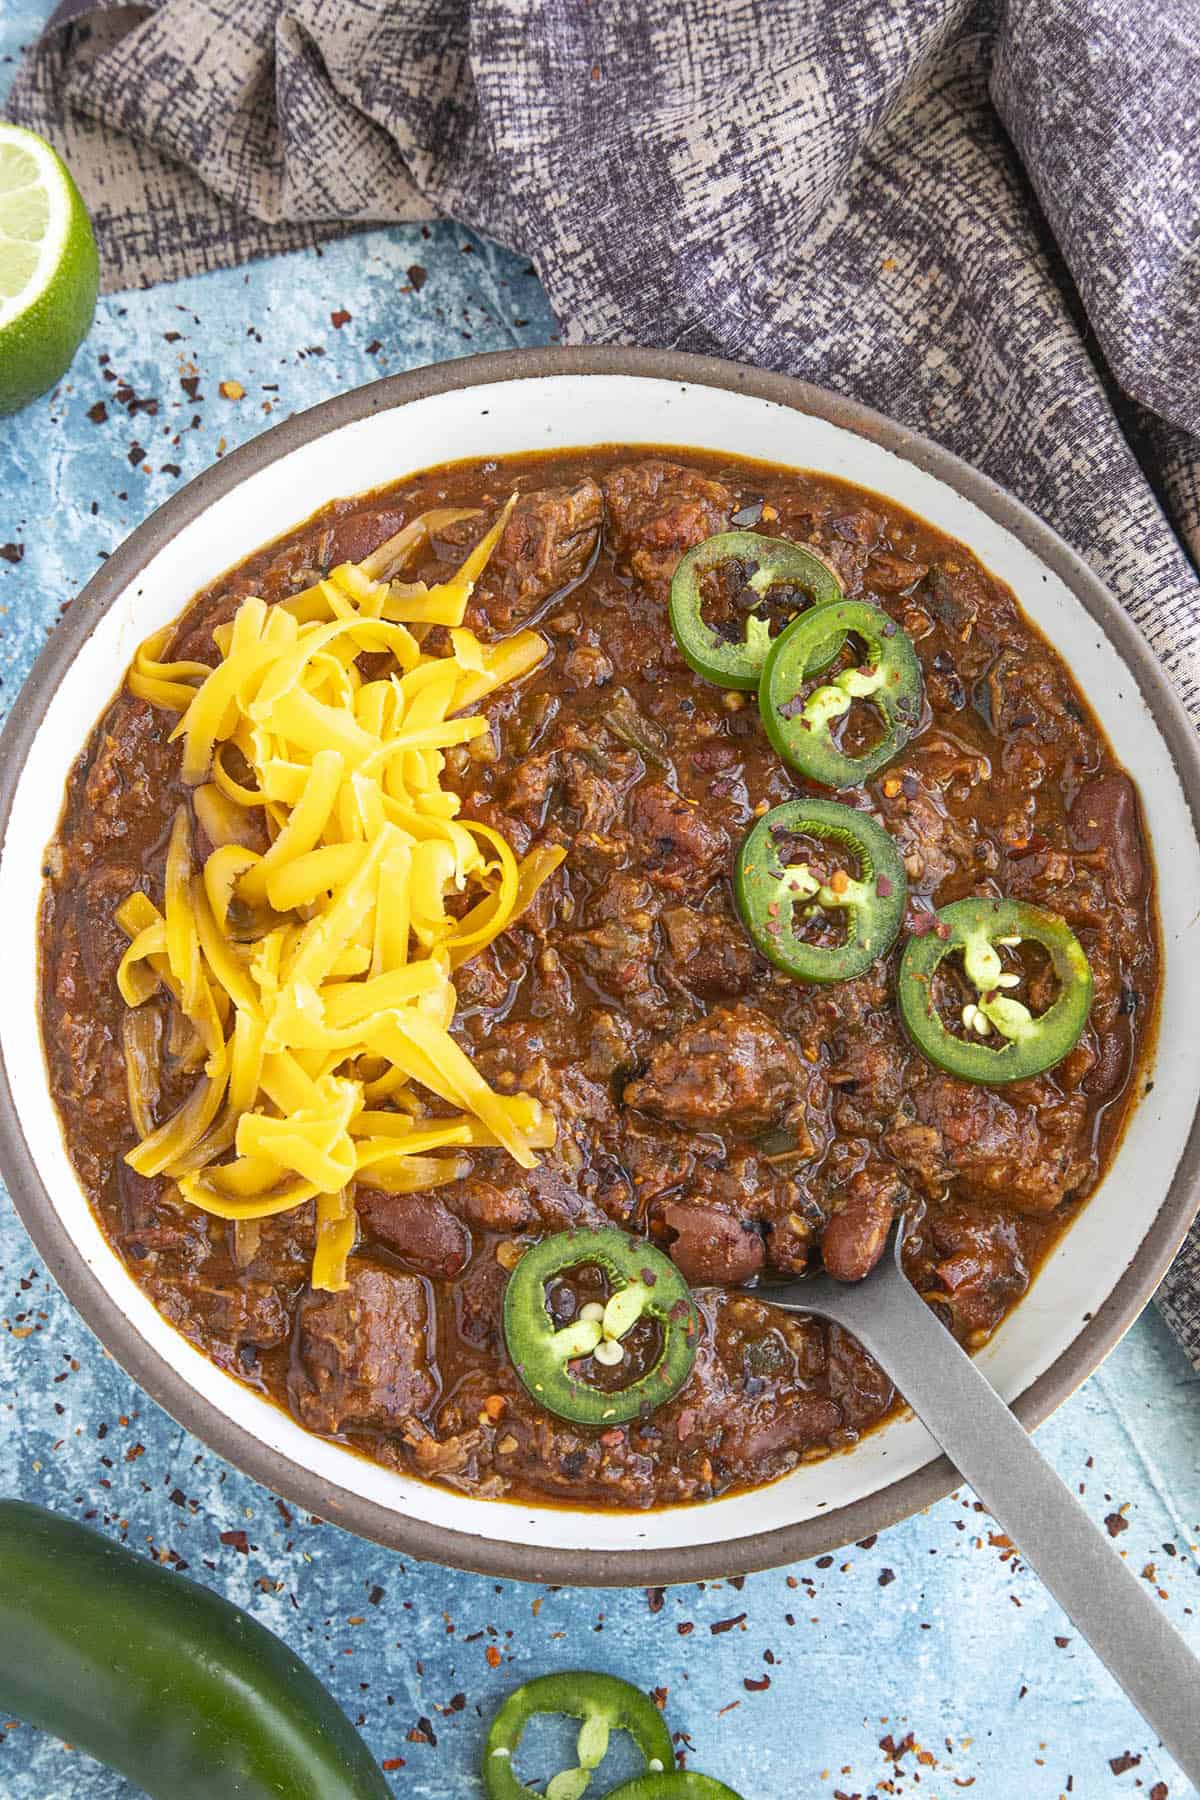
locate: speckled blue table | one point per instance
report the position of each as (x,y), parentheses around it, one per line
(928,1662)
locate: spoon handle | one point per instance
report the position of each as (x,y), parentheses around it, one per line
(1109,1605)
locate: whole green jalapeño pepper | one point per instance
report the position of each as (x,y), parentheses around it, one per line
(801,726)
(183,1693)
(551,1362)
(780,898)
(1002,1040)
(602,1703)
(735,661)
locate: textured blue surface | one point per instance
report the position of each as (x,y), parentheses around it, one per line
(934,1630)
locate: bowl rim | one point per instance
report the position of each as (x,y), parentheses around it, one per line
(496,1556)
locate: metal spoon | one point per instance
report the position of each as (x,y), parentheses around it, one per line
(1106,1602)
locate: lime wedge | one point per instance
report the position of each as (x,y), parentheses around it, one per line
(48,267)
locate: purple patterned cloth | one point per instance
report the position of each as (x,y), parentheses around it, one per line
(981,218)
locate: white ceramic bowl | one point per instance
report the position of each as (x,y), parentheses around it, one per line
(1089,1291)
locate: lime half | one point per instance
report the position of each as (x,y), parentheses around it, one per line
(48,267)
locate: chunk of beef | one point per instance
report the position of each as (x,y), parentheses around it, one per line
(891,574)
(989,1146)
(619,956)
(587,666)
(708,1244)
(656,511)
(857,1384)
(417,1227)
(481,983)
(592,786)
(610,1047)
(235,1312)
(867,1077)
(854,1239)
(734,1068)
(364,1354)
(682,849)
(748,1404)
(283,1248)
(486,1206)
(931,842)
(130,768)
(478,1301)
(101,941)
(979,1263)
(712,955)
(352,536)
(547,543)
(1104,816)
(1030,698)
(758,1435)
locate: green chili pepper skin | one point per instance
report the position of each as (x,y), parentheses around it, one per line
(777,562)
(181,1692)
(603,1703)
(799,727)
(1014,1044)
(646,1285)
(684,1784)
(774,897)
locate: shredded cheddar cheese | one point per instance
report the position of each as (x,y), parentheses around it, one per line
(311,981)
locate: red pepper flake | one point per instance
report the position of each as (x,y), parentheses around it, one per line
(941,929)
(655,1598)
(685,1628)
(418,277)
(236,1541)
(1115,1524)
(1159,1791)
(392,1762)
(756,1684)
(660,1696)
(1121,1765)
(493,1656)
(373,346)
(98,413)
(1062,1642)
(339,318)
(886,1577)
(720,1625)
